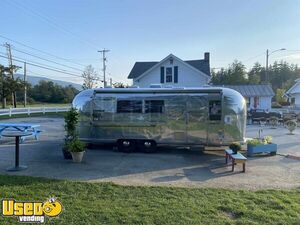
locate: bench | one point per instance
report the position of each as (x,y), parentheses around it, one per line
(237,158)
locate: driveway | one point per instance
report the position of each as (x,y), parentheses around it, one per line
(171,167)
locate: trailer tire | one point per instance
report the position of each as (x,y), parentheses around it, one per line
(147,146)
(125,145)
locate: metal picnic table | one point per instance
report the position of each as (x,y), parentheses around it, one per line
(22,127)
(17,135)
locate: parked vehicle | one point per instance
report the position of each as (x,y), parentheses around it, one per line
(147,117)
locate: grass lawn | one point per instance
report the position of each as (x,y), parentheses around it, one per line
(5,117)
(106,203)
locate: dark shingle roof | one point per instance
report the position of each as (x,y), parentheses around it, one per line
(140,67)
(252,90)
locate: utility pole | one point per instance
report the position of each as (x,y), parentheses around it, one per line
(267,62)
(110,82)
(2,70)
(25,86)
(9,55)
(267,66)
(104,66)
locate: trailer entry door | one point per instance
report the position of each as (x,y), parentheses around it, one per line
(215,128)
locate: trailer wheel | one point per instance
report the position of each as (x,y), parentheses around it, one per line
(125,145)
(147,146)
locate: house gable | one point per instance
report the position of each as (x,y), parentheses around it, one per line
(140,68)
(172,71)
(295,89)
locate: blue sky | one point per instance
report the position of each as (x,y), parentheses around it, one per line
(140,30)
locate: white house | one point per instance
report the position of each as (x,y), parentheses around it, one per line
(171,71)
(294,93)
(258,96)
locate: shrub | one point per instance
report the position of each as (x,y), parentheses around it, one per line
(71,120)
(276,105)
(273,121)
(75,145)
(291,125)
(235,147)
(255,142)
(267,139)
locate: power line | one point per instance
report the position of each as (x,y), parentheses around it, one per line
(41,51)
(261,54)
(45,76)
(41,66)
(50,21)
(47,59)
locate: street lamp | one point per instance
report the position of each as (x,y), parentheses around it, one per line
(267,61)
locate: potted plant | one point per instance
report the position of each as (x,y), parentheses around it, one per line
(77,149)
(261,146)
(291,125)
(235,147)
(71,120)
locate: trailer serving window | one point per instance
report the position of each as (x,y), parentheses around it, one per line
(154,106)
(215,110)
(129,106)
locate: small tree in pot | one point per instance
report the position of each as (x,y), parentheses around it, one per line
(77,149)
(71,119)
(235,147)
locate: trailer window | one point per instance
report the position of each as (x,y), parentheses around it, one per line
(215,110)
(129,106)
(154,106)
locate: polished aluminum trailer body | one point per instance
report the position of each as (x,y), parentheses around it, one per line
(168,116)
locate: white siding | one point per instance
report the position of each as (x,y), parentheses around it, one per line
(263,103)
(187,77)
(297,99)
(295,93)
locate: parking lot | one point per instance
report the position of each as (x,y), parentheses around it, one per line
(174,167)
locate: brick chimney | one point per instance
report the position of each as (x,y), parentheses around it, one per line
(206,56)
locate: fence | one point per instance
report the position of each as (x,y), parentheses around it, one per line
(31,110)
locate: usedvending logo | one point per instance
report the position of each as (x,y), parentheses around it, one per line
(33,211)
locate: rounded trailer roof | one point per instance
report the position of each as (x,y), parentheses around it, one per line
(164,90)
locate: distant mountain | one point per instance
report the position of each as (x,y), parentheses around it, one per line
(33,80)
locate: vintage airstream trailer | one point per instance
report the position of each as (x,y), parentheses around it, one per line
(147,117)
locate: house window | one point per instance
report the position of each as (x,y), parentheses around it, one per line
(154,106)
(169,74)
(129,106)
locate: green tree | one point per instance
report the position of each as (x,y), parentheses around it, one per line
(47,91)
(8,85)
(256,74)
(120,85)
(234,74)
(279,95)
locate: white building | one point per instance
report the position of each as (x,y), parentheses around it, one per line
(294,94)
(258,96)
(171,71)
